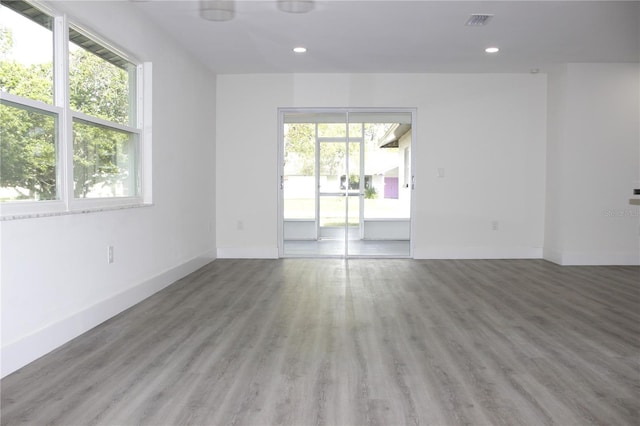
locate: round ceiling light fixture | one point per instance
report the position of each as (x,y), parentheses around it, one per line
(300,49)
(295,6)
(217,10)
(492,50)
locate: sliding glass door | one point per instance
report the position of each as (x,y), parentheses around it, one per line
(345,183)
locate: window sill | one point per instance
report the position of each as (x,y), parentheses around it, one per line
(71,212)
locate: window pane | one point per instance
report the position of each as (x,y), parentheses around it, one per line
(332,130)
(355,130)
(101,83)
(27,154)
(26,54)
(104,161)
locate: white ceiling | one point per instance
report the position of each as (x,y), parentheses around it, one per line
(404,36)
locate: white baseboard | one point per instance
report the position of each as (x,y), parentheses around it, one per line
(569,258)
(19,353)
(552,255)
(478,253)
(248,253)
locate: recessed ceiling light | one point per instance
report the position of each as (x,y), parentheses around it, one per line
(492,50)
(300,49)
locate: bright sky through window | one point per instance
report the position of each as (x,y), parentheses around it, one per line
(27,48)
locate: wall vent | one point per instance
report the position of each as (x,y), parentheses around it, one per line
(478,20)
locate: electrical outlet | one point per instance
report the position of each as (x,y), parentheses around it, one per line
(240,225)
(495,225)
(109,254)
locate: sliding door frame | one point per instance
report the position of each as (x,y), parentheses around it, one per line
(280,169)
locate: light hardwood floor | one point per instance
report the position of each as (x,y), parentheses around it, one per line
(354,342)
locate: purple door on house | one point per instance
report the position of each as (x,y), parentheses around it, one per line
(391,187)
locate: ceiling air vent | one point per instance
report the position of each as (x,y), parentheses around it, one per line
(478,20)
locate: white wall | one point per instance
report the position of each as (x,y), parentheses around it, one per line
(593,165)
(488,131)
(56,282)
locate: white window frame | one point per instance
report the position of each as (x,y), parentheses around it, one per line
(66,202)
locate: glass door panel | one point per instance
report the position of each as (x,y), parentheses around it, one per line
(332,160)
(332,225)
(387,193)
(299,185)
(347,184)
(353,229)
(355,189)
